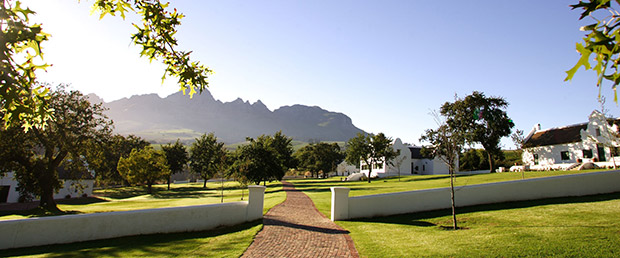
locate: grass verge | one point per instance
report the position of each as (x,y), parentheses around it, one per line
(222,242)
(133,198)
(560,227)
(318,189)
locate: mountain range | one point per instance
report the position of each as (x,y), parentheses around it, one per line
(162,120)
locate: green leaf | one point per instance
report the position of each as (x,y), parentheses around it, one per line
(583,61)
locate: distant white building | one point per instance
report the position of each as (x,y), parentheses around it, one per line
(410,161)
(70,187)
(345,169)
(562,147)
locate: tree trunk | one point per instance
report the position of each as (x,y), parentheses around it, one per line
(169,177)
(452,199)
(149,188)
(491,165)
(204,184)
(47,201)
(369,172)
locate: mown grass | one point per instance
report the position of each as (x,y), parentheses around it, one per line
(223,242)
(561,227)
(133,198)
(318,189)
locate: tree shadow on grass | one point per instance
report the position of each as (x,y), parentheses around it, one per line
(36,212)
(416,219)
(163,245)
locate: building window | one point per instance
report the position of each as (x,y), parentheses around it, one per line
(615,151)
(598,132)
(535,159)
(378,166)
(423,167)
(587,154)
(564,155)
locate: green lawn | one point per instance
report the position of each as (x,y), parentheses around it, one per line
(224,242)
(133,198)
(561,227)
(318,189)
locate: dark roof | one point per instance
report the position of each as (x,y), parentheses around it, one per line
(568,134)
(416,153)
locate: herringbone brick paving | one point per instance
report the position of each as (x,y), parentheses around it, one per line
(295,228)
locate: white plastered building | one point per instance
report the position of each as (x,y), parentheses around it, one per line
(563,147)
(410,161)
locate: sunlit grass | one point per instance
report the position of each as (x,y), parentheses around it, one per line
(561,227)
(318,189)
(133,198)
(224,242)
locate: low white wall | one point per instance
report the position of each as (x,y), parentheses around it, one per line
(434,199)
(84,227)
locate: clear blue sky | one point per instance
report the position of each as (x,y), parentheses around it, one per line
(385,64)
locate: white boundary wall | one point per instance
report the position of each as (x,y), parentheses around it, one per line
(344,207)
(85,227)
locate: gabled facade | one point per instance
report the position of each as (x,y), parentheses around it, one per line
(560,148)
(410,161)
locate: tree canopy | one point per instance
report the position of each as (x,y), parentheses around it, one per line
(319,157)
(24,102)
(373,149)
(144,166)
(176,158)
(206,156)
(36,155)
(601,40)
(479,119)
(104,153)
(264,158)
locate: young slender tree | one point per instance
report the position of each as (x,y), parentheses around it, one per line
(371,149)
(446,144)
(206,154)
(176,158)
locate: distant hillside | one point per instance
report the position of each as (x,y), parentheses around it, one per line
(176,116)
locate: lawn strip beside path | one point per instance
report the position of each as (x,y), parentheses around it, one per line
(295,228)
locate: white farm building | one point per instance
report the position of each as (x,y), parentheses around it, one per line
(410,161)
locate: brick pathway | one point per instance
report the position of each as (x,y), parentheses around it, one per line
(295,228)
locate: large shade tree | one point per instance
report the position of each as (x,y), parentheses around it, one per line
(103,155)
(36,155)
(206,156)
(319,157)
(480,119)
(372,149)
(259,161)
(144,166)
(23,101)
